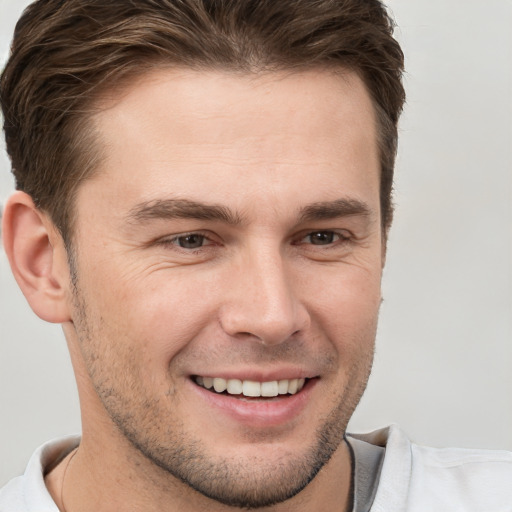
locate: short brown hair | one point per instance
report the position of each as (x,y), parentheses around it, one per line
(65,53)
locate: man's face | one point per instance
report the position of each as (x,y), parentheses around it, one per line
(232,233)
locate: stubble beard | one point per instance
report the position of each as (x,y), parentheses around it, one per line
(248,482)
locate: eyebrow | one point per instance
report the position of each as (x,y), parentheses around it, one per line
(326,210)
(169,209)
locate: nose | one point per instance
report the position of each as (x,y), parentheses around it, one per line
(263,301)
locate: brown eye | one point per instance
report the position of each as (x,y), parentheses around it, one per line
(192,241)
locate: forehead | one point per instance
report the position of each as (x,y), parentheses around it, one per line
(193,100)
(190,133)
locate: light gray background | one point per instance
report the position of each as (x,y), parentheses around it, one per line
(444,349)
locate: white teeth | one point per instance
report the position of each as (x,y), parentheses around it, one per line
(252,388)
(270,388)
(292,386)
(220,385)
(235,387)
(283,387)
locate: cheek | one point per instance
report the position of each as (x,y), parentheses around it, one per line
(158,315)
(345,308)
(348,296)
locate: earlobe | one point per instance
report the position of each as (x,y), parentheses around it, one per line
(37,256)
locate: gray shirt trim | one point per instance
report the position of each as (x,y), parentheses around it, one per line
(367,465)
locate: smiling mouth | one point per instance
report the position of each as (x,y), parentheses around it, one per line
(250,388)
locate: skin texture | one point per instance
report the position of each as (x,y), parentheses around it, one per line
(281,278)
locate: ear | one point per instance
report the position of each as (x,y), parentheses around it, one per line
(38,258)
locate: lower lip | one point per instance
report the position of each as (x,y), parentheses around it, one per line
(272,412)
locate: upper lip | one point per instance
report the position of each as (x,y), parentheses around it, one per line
(258,375)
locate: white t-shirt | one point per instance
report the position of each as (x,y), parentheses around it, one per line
(413,478)
(420,479)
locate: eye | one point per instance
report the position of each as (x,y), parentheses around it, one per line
(324,237)
(187,241)
(190,241)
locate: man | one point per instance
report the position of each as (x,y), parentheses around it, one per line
(203,203)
